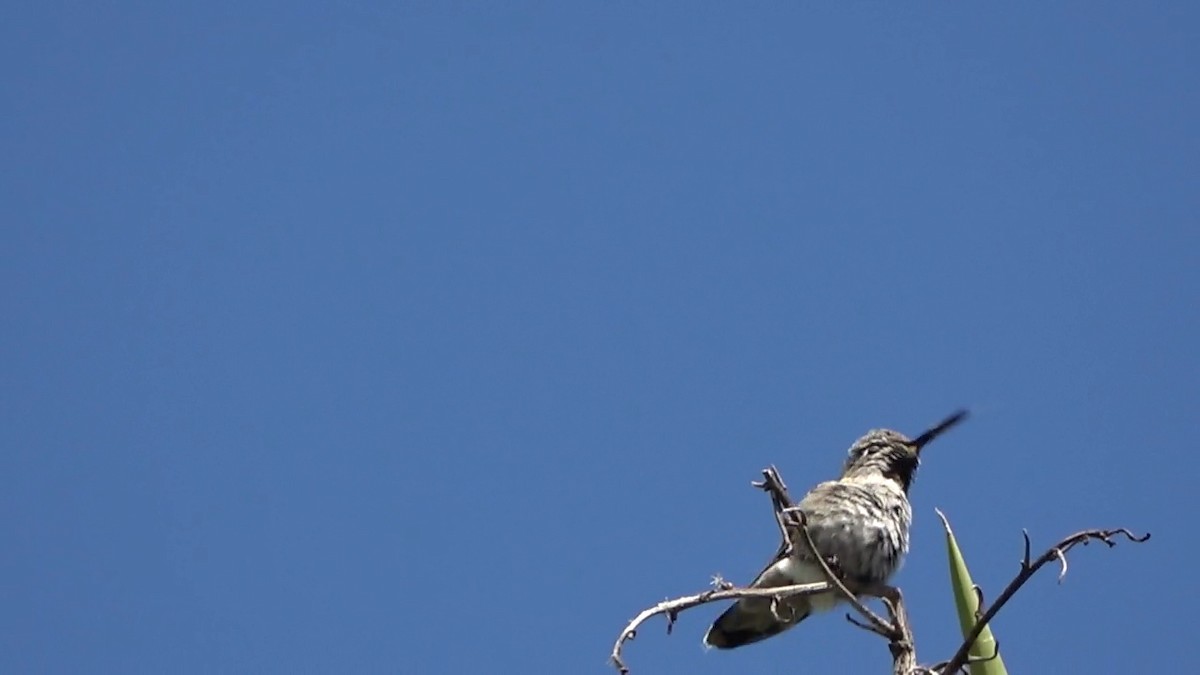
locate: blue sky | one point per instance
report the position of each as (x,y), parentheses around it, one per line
(444,337)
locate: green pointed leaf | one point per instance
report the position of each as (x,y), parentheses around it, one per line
(967,603)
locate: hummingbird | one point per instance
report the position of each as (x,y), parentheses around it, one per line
(861,519)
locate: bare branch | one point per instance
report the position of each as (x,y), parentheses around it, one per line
(672,608)
(1028,569)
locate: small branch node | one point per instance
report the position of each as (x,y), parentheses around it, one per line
(719,583)
(978,600)
(865,626)
(984,659)
(1062,558)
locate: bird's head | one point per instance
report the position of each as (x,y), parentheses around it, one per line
(891,453)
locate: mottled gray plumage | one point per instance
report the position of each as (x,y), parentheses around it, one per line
(861,519)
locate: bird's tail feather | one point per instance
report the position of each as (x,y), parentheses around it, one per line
(752,619)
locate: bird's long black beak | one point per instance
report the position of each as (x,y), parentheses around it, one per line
(937,430)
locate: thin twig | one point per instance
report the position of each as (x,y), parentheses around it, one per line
(902,645)
(772,483)
(880,625)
